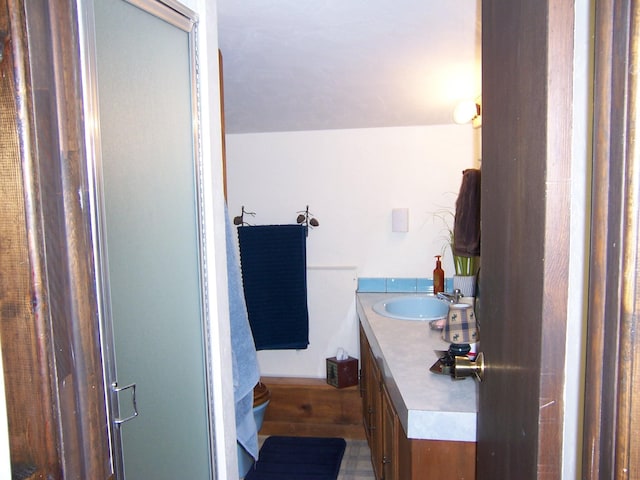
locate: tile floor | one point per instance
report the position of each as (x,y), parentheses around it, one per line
(356,462)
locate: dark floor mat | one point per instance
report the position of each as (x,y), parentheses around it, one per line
(298,458)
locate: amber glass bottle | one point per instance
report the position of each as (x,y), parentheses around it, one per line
(438,277)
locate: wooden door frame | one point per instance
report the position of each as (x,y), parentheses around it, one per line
(611,448)
(53,373)
(31,363)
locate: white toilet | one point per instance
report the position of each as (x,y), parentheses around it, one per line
(261,398)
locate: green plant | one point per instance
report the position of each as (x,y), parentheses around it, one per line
(464,266)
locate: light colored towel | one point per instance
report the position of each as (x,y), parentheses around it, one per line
(246,372)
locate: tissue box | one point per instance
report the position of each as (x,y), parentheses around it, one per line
(342,373)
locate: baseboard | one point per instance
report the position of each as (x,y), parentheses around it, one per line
(309,407)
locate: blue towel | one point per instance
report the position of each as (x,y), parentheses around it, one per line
(274,272)
(246,373)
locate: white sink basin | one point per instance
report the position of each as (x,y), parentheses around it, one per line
(413,307)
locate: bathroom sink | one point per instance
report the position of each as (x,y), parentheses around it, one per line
(412,307)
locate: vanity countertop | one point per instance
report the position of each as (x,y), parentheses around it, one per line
(430,406)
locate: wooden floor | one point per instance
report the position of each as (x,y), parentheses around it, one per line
(309,407)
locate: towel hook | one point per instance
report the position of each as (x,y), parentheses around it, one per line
(307,219)
(239,220)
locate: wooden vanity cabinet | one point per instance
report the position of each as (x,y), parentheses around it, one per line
(393,455)
(380,420)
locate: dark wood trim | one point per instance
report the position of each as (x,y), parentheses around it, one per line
(26,346)
(49,327)
(611,448)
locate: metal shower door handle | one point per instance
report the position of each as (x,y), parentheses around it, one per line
(117,390)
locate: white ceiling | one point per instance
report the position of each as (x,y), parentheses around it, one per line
(325,64)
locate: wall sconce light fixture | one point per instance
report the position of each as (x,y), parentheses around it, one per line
(469,111)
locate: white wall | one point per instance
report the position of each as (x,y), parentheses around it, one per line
(351,180)
(577,288)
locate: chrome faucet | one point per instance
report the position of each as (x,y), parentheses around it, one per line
(451,297)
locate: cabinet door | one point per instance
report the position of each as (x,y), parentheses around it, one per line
(375,391)
(390,438)
(365,382)
(371,388)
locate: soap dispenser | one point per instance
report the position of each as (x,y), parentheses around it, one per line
(438,277)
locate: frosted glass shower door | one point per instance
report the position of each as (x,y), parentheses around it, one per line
(151,243)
